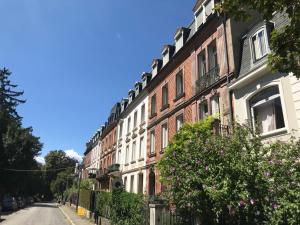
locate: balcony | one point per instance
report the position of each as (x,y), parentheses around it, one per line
(102,175)
(208,79)
(221,129)
(114,170)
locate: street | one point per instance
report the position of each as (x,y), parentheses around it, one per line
(37,214)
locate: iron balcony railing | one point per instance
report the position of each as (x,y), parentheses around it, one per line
(208,79)
(113,168)
(101,175)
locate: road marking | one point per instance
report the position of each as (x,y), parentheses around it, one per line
(68,218)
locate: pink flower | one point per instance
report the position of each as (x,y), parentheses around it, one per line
(206,168)
(266,173)
(252,202)
(242,203)
(274,206)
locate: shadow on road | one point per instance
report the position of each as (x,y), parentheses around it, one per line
(44,204)
(1,220)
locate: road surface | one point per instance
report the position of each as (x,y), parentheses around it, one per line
(37,214)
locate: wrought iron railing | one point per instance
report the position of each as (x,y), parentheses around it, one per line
(221,129)
(208,79)
(113,168)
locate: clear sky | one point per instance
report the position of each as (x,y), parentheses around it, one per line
(76,58)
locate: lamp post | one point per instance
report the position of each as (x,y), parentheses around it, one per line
(78,171)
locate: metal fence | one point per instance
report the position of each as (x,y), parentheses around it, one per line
(173,217)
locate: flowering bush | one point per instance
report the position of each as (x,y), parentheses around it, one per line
(232,180)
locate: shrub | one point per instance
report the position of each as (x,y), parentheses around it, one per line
(103,204)
(126,208)
(85,199)
(236,180)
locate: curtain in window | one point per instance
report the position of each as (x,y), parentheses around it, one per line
(265,117)
(215,107)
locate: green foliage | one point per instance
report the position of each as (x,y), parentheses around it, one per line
(126,208)
(18,145)
(103,204)
(284,43)
(86,184)
(85,198)
(122,208)
(236,180)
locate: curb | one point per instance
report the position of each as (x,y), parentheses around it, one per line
(68,218)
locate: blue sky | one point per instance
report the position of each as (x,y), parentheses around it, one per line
(76,58)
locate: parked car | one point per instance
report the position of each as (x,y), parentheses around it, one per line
(9,203)
(29,200)
(20,202)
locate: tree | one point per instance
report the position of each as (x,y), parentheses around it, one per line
(232,180)
(59,169)
(9,100)
(285,42)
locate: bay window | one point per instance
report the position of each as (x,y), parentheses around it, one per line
(266,110)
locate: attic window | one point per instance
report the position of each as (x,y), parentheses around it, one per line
(204,11)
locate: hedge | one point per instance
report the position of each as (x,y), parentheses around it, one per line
(85,199)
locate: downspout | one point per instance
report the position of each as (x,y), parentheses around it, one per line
(228,71)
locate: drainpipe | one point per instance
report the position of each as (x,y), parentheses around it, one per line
(228,70)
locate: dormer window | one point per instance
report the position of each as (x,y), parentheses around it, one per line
(156,66)
(259,44)
(131,95)
(146,77)
(167,53)
(181,36)
(204,10)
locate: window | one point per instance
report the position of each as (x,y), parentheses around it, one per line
(153,105)
(208,8)
(179,84)
(152,142)
(113,158)
(266,110)
(119,156)
(125,183)
(143,111)
(141,183)
(215,106)
(132,183)
(201,64)
(133,151)
(212,56)
(259,47)
(203,109)
(120,129)
(141,152)
(164,142)
(128,124)
(135,119)
(165,96)
(199,17)
(127,155)
(179,122)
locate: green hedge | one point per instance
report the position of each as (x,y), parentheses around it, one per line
(103,204)
(122,208)
(85,199)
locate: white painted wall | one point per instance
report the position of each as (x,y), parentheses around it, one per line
(127,140)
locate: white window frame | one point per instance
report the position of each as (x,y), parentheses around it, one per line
(283,105)
(143,113)
(141,152)
(133,151)
(152,142)
(204,16)
(164,136)
(252,50)
(177,119)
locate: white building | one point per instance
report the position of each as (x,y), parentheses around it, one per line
(268,101)
(132,137)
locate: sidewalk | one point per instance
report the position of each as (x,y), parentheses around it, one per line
(72,217)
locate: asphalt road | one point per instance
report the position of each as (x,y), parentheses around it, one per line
(37,214)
